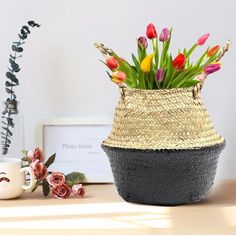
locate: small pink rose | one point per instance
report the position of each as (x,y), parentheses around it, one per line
(78,190)
(36,154)
(56,179)
(43,174)
(62,191)
(30,154)
(37,167)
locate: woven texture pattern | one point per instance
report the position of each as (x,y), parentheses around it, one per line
(163,177)
(161,119)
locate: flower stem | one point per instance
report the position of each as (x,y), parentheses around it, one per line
(191,50)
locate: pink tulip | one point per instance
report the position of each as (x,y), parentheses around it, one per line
(164,35)
(142,42)
(160,75)
(203,39)
(211,68)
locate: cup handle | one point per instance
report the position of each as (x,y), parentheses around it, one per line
(32,178)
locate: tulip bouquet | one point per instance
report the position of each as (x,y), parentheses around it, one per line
(158,69)
(60,185)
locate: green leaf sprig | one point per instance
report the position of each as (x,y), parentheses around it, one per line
(10,108)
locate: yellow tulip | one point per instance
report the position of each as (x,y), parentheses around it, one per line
(146,63)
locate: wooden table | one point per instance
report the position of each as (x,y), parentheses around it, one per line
(103,212)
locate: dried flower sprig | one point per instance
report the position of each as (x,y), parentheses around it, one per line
(214,66)
(11,108)
(104,50)
(60,185)
(224,49)
(159,70)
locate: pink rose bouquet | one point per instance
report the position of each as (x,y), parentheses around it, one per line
(60,185)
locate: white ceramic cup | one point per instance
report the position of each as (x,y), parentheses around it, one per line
(13,178)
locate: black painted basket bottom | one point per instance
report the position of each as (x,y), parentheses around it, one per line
(164,177)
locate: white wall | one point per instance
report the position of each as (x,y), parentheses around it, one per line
(61,74)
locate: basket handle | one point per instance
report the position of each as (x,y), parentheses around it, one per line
(196,90)
(122,93)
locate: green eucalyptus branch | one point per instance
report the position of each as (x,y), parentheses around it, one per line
(10,108)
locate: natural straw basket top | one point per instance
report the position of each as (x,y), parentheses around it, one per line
(162,119)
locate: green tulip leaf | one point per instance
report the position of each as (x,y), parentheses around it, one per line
(136,63)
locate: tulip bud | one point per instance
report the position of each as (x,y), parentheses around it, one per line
(211,68)
(146,63)
(151,31)
(212,50)
(118,77)
(203,39)
(142,42)
(179,61)
(201,78)
(160,75)
(112,63)
(164,35)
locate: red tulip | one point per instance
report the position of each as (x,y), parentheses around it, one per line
(112,63)
(151,31)
(212,50)
(179,61)
(203,39)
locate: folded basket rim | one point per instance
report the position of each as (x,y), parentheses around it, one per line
(208,148)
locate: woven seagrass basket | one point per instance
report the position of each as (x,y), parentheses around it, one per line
(163,148)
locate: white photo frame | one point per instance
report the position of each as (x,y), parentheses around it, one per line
(77,143)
